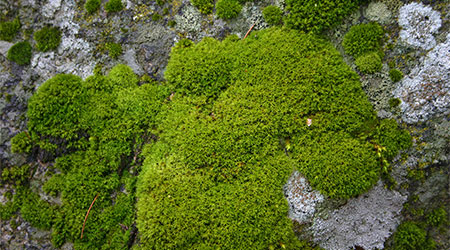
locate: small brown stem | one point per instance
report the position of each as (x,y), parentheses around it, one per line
(87,214)
(248,32)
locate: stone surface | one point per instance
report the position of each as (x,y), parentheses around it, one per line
(4,47)
(426,90)
(378,12)
(419,23)
(366,221)
(302,199)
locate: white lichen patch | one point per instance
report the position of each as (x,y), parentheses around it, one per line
(418,23)
(302,199)
(426,90)
(366,221)
(378,12)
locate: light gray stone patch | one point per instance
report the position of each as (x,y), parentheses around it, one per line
(378,12)
(426,90)
(4,47)
(189,21)
(366,221)
(130,59)
(302,199)
(51,8)
(419,23)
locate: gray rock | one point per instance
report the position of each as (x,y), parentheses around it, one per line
(51,8)
(302,199)
(418,23)
(4,47)
(378,12)
(366,221)
(130,59)
(426,90)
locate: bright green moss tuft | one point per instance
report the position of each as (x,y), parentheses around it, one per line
(21,143)
(227,9)
(317,16)
(8,30)
(204,6)
(114,50)
(92,6)
(389,135)
(217,171)
(395,75)
(437,217)
(110,117)
(363,38)
(369,63)
(48,38)
(20,53)
(114,6)
(273,15)
(53,111)
(409,236)
(16,175)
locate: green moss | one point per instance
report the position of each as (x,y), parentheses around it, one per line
(21,143)
(437,217)
(204,6)
(409,236)
(20,53)
(389,135)
(317,16)
(171,23)
(54,109)
(363,38)
(227,9)
(47,38)
(16,175)
(165,11)
(369,63)
(394,102)
(8,30)
(114,50)
(114,6)
(92,6)
(217,171)
(156,17)
(36,211)
(395,75)
(273,15)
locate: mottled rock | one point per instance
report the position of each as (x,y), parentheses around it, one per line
(366,221)
(51,8)
(418,23)
(4,47)
(378,12)
(426,90)
(302,199)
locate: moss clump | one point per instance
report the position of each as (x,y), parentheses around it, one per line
(114,50)
(363,38)
(316,16)
(204,6)
(48,38)
(369,63)
(106,119)
(114,6)
(394,102)
(390,136)
(437,217)
(156,17)
(395,75)
(8,30)
(227,9)
(273,15)
(20,53)
(409,236)
(21,143)
(217,171)
(16,175)
(92,6)
(53,111)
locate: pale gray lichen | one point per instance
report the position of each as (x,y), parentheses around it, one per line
(302,199)
(378,12)
(426,90)
(418,23)
(366,221)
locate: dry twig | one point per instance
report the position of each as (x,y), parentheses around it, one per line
(87,214)
(248,32)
